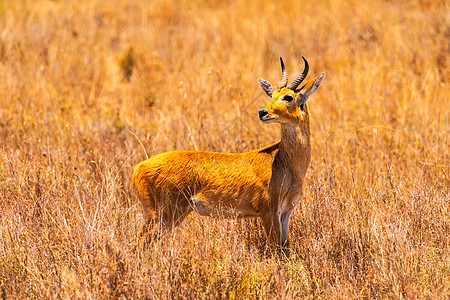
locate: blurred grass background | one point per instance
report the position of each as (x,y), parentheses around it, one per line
(89,88)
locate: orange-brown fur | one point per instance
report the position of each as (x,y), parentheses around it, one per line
(265,183)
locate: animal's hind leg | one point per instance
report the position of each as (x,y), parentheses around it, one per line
(171,218)
(156,225)
(163,211)
(149,228)
(169,213)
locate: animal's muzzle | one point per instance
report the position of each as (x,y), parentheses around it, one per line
(263,113)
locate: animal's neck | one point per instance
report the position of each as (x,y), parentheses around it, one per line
(295,149)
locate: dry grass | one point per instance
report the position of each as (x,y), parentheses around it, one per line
(84,84)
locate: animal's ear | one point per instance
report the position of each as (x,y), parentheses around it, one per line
(309,89)
(266,86)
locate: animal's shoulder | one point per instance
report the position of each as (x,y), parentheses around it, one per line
(271,149)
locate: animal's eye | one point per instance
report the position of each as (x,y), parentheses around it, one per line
(288,98)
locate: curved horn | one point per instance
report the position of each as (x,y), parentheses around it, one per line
(284,77)
(294,84)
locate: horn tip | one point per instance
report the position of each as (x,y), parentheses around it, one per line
(281,61)
(304,59)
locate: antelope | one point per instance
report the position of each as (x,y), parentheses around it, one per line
(265,183)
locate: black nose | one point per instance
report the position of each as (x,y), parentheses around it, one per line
(263,113)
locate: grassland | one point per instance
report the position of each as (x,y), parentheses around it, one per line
(89,88)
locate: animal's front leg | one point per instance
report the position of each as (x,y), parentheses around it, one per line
(272,227)
(285,218)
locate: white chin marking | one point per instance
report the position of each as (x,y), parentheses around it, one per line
(268,120)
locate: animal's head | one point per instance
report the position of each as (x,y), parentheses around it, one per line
(288,101)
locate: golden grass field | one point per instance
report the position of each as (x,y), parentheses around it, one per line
(89,88)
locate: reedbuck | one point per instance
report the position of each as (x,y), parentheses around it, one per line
(265,183)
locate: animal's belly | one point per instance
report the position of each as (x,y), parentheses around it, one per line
(217,210)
